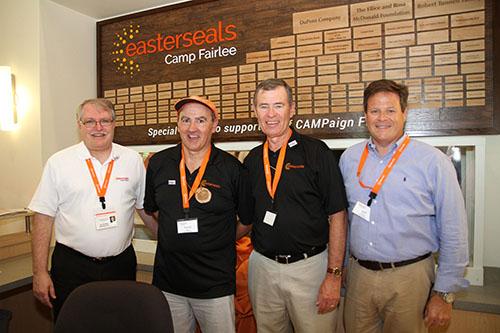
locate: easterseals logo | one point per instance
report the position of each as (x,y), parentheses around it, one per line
(129,49)
(161,43)
(123,62)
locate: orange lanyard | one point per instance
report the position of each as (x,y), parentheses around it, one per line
(197,180)
(385,173)
(279,166)
(101,191)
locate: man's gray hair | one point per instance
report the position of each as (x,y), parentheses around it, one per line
(99,103)
(271,84)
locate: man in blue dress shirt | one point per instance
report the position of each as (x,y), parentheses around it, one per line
(405,204)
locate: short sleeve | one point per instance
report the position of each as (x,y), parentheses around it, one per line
(46,197)
(150,204)
(141,185)
(330,181)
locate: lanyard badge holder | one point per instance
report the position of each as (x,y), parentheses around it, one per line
(107,217)
(202,194)
(361,209)
(272,185)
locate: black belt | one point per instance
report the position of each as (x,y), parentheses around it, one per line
(378,266)
(94,259)
(291,258)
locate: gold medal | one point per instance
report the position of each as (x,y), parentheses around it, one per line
(203,195)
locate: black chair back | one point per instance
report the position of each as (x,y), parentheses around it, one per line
(115,306)
(5,317)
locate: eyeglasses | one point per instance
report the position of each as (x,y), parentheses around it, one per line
(91,123)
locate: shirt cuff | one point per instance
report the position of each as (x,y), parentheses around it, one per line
(450,279)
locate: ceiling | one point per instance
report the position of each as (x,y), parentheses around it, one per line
(102,9)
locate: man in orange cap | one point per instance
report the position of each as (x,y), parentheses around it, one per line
(196,191)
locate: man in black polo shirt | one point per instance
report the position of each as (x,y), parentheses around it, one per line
(196,190)
(299,225)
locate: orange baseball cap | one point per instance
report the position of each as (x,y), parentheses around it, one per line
(197,99)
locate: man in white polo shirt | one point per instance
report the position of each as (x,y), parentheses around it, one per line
(89,191)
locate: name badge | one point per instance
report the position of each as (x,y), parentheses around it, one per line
(269,218)
(362,211)
(186,226)
(106,219)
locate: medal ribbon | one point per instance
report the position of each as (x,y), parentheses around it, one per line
(101,191)
(182,170)
(385,173)
(279,166)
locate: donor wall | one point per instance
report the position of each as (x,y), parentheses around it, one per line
(327,50)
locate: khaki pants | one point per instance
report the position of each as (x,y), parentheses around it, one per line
(214,315)
(284,296)
(389,300)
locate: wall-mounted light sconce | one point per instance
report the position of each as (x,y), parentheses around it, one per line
(8,115)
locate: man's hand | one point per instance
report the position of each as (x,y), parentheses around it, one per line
(43,288)
(329,294)
(437,312)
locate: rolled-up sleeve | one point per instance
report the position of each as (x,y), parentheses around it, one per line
(451,223)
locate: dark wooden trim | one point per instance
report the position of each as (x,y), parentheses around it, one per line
(495,11)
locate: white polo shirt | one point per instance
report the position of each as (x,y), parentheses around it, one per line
(67,193)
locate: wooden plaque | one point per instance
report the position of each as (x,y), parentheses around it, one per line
(327,50)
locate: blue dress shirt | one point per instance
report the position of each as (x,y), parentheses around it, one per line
(419,209)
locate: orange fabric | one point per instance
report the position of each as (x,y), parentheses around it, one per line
(245,321)
(184,185)
(146,160)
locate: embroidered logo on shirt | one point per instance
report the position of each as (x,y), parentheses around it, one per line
(290,166)
(122,179)
(171,182)
(204,183)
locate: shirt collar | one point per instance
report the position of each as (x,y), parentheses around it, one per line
(84,153)
(292,142)
(213,153)
(395,145)
(294,137)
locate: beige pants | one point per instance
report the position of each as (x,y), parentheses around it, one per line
(214,315)
(284,296)
(390,300)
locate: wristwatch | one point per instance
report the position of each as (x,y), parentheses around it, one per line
(446,297)
(335,271)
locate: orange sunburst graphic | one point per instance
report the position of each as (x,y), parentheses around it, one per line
(125,64)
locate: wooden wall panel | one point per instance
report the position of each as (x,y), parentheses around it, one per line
(220,49)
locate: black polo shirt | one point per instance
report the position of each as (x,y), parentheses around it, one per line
(202,264)
(310,189)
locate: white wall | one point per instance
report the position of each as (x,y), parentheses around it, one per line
(52,52)
(68,72)
(21,161)
(492,202)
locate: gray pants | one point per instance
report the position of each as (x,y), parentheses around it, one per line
(214,315)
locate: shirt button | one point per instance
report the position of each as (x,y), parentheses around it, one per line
(373,222)
(381,162)
(371,244)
